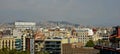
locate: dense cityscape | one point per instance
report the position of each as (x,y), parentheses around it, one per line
(59,26)
(53,38)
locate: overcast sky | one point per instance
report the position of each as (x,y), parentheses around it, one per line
(85,12)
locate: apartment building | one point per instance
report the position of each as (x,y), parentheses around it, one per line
(58,32)
(7,42)
(84,34)
(54,45)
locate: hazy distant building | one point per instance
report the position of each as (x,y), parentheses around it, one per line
(39,35)
(56,32)
(25,25)
(17,33)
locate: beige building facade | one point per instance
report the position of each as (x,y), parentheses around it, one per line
(7,43)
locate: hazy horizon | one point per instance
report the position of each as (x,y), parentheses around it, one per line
(85,12)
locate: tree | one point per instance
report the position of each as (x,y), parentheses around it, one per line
(42,52)
(5,51)
(13,51)
(90,43)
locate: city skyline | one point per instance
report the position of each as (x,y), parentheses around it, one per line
(85,12)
